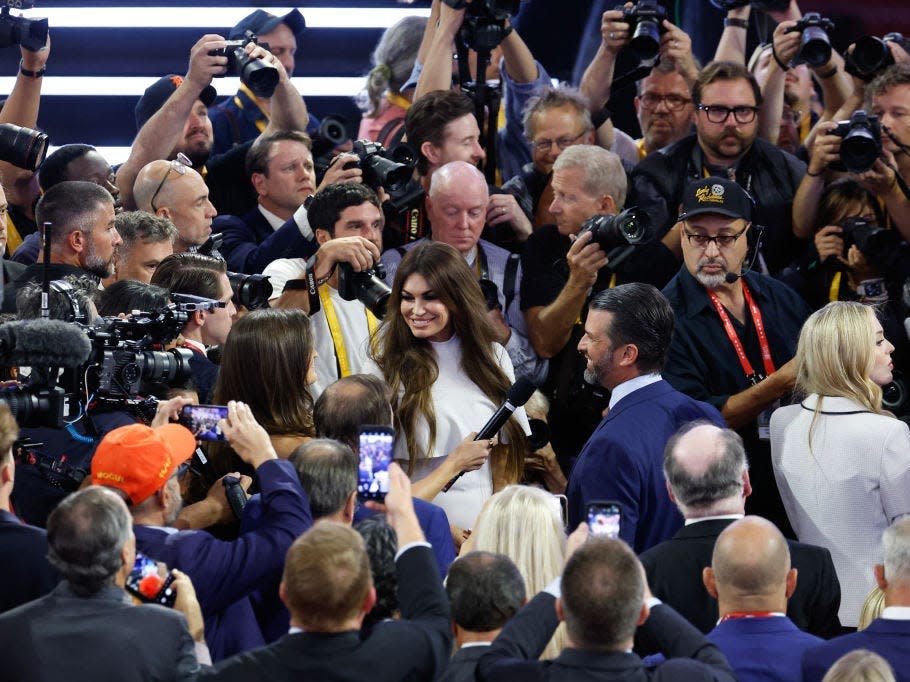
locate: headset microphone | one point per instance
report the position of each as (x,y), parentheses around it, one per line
(731,277)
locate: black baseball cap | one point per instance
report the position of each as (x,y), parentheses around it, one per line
(715,195)
(158,93)
(260,22)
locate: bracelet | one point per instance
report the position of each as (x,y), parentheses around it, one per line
(816,175)
(735,23)
(828,74)
(777,59)
(31,74)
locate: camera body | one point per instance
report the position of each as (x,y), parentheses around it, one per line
(29,33)
(368,287)
(380,167)
(857,230)
(498,10)
(815,45)
(645,19)
(871,55)
(612,231)
(862,142)
(260,77)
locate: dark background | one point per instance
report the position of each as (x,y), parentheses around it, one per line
(553,29)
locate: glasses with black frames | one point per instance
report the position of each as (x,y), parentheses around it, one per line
(718,113)
(721,241)
(179,166)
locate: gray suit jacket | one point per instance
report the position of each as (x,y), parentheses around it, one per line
(102,638)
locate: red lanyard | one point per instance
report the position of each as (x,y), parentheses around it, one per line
(736,615)
(751,374)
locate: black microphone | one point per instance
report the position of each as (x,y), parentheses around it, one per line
(518,395)
(731,277)
(43,343)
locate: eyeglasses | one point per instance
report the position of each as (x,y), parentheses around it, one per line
(179,166)
(650,100)
(562,143)
(722,241)
(717,113)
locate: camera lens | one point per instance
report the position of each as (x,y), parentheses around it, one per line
(816,48)
(645,40)
(871,55)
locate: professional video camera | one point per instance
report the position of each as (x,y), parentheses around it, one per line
(763,5)
(871,55)
(862,143)
(645,20)
(259,76)
(368,287)
(29,33)
(814,45)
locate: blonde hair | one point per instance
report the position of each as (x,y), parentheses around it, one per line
(872,608)
(835,355)
(523,523)
(860,665)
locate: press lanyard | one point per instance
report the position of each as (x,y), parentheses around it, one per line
(341,351)
(751,374)
(260,123)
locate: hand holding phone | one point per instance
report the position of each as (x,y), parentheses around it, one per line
(203,420)
(604,517)
(377,445)
(147,585)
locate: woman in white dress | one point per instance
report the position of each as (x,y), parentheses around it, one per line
(437,352)
(842,463)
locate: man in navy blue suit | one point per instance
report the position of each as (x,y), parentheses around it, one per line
(889,634)
(751,578)
(627,334)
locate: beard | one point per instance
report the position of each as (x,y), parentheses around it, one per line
(96,265)
(711,280)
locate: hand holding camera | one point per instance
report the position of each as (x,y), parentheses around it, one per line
(205,61)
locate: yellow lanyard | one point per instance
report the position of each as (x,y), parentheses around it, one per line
(341,351)
(834,291)
(805,124)
(398,99)
(260,123)
(13,238)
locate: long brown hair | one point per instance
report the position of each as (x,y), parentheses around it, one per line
(409,364)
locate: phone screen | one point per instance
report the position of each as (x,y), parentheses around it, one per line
(146,584)
(203,420)
(376,448)
(603,519)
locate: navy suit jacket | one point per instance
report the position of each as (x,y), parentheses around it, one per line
(226,573)
(250,243)
(675,567)
(25,572)
(463,666)
(623,461)
(889,638)
(763,649)
(513,654)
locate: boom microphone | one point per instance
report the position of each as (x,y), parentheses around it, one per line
(731,277)
(43,343)
(518,395)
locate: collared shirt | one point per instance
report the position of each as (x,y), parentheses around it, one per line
(632,385)
(272,219)
(720,517)
(194,345)
(896,612)
(300,217)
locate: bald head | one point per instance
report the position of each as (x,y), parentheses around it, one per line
(457,205)
(751,559)
(172,190)
(706,470)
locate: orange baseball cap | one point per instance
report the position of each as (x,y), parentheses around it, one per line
(139,460)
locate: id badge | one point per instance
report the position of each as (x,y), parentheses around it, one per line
(764,421)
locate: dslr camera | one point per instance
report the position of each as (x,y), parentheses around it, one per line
(484,24)
(612,231)
(871,55)
(862,142)
(251,291)
(261,78)
(29,33)
(380,167)
(858,230)
(368,287)
(814,45)
(645,20)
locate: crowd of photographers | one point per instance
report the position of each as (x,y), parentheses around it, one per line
(192,342)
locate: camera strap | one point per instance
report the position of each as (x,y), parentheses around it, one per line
(261,121)
(331,317)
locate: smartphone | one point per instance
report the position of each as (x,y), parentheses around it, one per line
(603,518)
(203,420)
(377,445)
(145,583)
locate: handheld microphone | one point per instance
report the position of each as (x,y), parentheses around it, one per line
(43,343)
(518,395)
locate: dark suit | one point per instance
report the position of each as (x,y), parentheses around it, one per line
(250,243)
(463,666)
(413,648)
(25,572)
(35,273)
(763,649)
(675,569)
(889,638)
(12,271)
(103,638)
(513,655)
(623,461)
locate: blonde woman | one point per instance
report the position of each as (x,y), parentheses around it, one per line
(525,524)
(842,463)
